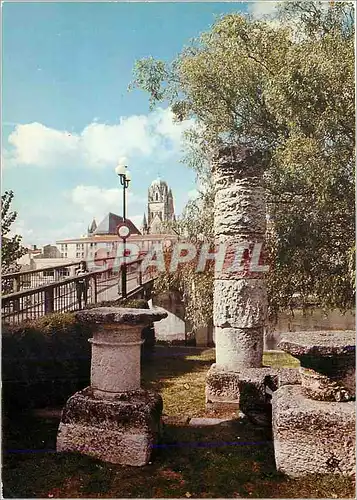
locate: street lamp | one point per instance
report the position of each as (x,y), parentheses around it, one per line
(125,178)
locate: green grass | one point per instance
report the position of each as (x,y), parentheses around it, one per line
(229,461)
(178,374)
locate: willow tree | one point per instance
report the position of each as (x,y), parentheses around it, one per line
(285,89)
(11,248)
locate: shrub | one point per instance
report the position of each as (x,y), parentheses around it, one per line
(44,361)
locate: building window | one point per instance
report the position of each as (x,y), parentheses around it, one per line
(65,254)
(157,197)
(48,274)
(63,272)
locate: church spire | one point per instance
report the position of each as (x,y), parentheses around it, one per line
(144,228)
(92,227)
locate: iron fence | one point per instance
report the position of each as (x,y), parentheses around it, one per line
(27,280)
(71,294)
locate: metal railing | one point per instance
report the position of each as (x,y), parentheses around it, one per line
(33,278)
(71,294)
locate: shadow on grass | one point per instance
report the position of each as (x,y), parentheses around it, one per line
(172,362)
(233,460)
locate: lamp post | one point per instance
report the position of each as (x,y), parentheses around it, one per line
(124,176)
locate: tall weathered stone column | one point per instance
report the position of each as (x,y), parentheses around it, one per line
(240,298)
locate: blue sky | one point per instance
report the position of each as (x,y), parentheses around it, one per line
(67,116)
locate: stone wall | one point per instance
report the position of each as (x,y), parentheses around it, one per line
(312,320)
(174,326)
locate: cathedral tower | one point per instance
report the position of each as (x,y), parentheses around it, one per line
(160,207)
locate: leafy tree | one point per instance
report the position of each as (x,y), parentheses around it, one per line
(286,89)
(195,226)
(11,248)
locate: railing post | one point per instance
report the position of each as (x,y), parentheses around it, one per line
(95,288)
(49,300)
(16,284)
(16,305)
(123,280)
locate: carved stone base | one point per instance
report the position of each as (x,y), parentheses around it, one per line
(312,436)
(249,390)
(120,430)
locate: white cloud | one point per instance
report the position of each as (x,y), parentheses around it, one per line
(99,144)
(193,194)
(19,227)
(35,144)
(97,202)
(94,200)
(263,9)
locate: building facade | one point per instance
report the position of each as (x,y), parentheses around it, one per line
(102,240)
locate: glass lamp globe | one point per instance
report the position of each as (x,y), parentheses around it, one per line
(120,169)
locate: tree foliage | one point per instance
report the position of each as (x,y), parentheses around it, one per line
(195,226)
(11,248)
(285,88)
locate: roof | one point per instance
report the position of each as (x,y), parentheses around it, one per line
(103,238)
(110,223)
(93,226)
(158,182)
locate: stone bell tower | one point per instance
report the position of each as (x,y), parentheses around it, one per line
(160,206)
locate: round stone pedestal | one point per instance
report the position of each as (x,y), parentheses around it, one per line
(113,419)
(116,359)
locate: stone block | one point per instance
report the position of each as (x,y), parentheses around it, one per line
(246,390)
(328,364)
(312,436)
(287,376)
(175,420)
(239,303)
(222,388)
(121,316)
(120,430)
(239,348)
(208,422)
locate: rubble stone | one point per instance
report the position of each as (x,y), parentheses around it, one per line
(312,436)
(249,390)
(327,361)
(121,430)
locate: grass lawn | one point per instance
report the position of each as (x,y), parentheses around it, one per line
(234,460)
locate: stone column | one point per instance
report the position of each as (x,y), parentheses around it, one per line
(113,419)
(314,424)
(240,298)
